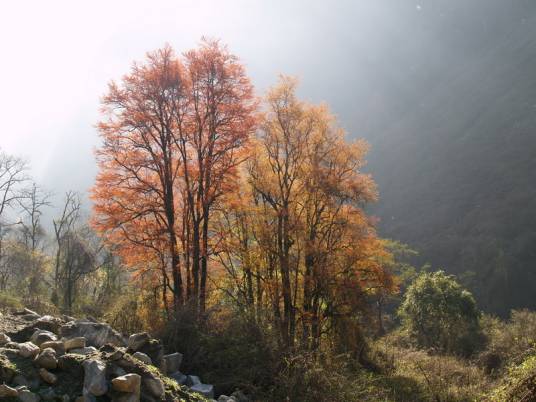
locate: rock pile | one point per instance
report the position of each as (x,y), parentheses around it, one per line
(63,359)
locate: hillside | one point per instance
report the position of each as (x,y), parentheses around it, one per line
(457,169)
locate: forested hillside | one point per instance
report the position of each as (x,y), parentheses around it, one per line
(457,169)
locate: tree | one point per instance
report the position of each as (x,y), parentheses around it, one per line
(172,141)
(296,241)
(440,314)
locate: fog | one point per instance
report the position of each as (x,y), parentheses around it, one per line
(372,61)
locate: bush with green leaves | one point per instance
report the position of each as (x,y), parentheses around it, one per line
(440,314)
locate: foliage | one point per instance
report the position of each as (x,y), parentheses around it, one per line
(519,385)
(440,314)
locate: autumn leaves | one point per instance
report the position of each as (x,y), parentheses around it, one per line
(196,179)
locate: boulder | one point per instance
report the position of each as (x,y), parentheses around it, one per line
(6,391)
(28,349)
(4,339)
(47,359)
(173,362)
(58,347)
(154,386)
(47,376)
(40,336)
(96,334)
(192,380)
(136,341)
(26,395)
(94,377)
(49,323)
(74,343)
(129,383)
(142,357)
(155,351)
(207,390)
(84,351)
(179,377)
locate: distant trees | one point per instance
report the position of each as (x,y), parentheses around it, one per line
(440,314)
(172,140)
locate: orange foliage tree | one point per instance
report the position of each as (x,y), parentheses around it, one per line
(174,132)
(298,247)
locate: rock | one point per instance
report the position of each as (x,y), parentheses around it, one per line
(129,383)
(74,343)
(96,334)
(179,377)
(21,381)
(207,390)
(84,351)
(136,341)
(47,376)
(48,394)
(47,359)
(192,380)
(154,386)
(116,371)
(4,338)
(142,357)
(58,347)
(94,377)
(28,349)
(225,398)
(48,323)
(154,349)
(6,391)
(40,336)
(239,396)
(25,311)
(12,345)
(173,362)
(26,395)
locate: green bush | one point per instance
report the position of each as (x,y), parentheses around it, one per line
(519,385)
(439,314)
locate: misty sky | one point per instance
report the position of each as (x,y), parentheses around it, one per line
(366,58)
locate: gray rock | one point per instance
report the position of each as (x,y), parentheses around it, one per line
(225,398)
(94,377)
(84,351)
(154,386)
(96,334)
(173,362)
(56,345)
(207,390)
(26,395)
(192,380)
(28,349)
(142,357)
(179,377)
(136,341)
(41,335)
(47,359)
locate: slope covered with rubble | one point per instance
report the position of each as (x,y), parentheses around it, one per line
(45,358)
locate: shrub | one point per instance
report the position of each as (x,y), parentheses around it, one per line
(519,385)
(438,313)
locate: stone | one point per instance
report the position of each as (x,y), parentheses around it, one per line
(94,377)
(207,390)
(96,334)
(40,336)
(142,357)
(154,349)
(239,396)
(173,362)
(129,383)
(21,381)
(179,377)
(225,398)
(47,359)
(154,386)
(48,323)
(74,343)
(84,351)
(6,391)
(47,376)
(192,380)
(4,339)
(58,347)
(28,349)
(26,395)
(136,341)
